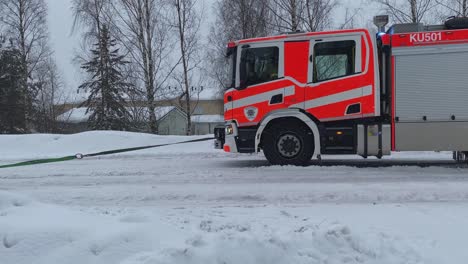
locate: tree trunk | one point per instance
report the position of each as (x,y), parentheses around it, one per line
(181,26)
(150,69)
(464,8)
(414,11)
(24,67)
(294,16)
(146,50)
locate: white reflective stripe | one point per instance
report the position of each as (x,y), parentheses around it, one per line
(345,117)
(302,85)
(431,49)
(336,98)
(288,91)
(259,98)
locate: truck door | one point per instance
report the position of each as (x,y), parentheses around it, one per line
(259,82)
(340,83)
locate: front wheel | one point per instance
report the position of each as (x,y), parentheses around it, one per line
(288,143)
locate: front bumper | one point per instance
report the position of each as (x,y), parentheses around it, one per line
(234,139)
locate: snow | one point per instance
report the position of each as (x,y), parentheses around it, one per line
(61,235)
(80,114)
(208,119)
(193,204)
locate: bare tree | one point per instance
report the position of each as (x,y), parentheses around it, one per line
(287,15)
(457,8)
(50,94)
(317,14)
(26,25)
(350,16)
(92,15)
(242,19)
(408,11)
(144,32)
(136,99)
(187,24)
(294,15)
(234,20)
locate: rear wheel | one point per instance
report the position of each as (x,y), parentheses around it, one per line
(288,143)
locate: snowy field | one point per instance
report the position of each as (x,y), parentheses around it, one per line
(193,204)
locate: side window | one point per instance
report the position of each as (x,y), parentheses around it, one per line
(334,60)
(259,65)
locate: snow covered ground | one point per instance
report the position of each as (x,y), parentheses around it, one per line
(193,204)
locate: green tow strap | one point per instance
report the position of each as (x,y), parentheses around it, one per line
(37,162)
(103,153)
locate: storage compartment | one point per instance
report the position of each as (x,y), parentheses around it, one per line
(374,140)
(432,136)
(431,83)
(431,98)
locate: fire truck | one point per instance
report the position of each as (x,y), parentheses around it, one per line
(299,96)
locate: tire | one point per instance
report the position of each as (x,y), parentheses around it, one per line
(288,143)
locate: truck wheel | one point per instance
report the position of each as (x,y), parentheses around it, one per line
(288,143)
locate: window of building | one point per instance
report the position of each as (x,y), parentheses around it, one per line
(334,60)
(259,65)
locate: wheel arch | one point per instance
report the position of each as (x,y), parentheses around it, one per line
(293,114)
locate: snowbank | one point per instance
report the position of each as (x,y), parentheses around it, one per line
(19,147)
(35,146)
(31,232)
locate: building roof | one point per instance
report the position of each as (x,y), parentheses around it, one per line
(79,115)
(208,119)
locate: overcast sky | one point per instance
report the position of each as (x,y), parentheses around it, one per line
(65,44)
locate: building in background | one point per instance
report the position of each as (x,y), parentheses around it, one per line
(172,120)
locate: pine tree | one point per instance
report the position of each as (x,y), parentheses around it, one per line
(12,118)
(106,86)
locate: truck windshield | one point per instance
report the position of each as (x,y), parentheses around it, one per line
(259,65)
(232,59)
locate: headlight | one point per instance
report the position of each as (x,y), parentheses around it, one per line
(229,130)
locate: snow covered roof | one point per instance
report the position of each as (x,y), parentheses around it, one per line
(78,115)
(208,119)
(162,111)
(75,115)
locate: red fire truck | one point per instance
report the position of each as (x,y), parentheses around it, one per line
(302,95)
